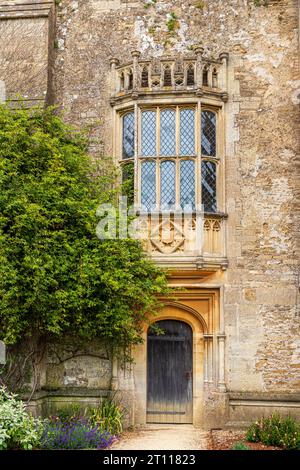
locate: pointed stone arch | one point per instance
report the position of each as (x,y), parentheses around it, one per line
(188,309)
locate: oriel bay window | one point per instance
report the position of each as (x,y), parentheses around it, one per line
(169,157)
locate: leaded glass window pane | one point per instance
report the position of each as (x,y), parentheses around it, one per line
(128,136)
(167,184)
(187,184)
(209,187)
(148,133)
(148,196)
(167,132)
(128,181)
(208,141)
(187,132)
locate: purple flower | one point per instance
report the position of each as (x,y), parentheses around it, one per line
(76,434)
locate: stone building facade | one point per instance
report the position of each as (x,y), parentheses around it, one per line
(101,60)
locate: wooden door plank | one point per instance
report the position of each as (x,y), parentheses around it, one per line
(169,389)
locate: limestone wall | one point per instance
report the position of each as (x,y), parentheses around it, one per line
(68,366)
(261,285)
(26,45)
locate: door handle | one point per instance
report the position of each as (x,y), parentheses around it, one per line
(188,375)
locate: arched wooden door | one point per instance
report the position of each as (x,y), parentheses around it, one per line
(170,373)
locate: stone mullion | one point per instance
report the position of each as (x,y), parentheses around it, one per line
(205,361)
(158,159)
(198,159)
(219,158)
(177,160)
(221,362)
(198,185)
(209,359)
(137,185)
(221,343)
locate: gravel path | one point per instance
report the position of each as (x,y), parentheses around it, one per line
(164,437)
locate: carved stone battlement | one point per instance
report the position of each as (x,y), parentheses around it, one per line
(192,74)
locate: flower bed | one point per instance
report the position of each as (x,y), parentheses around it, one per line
(233,440)
(276,431)
(76,434)
(71,429)
(268,433)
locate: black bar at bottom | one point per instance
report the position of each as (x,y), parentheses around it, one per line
(137,459)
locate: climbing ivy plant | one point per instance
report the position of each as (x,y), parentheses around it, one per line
(56,277)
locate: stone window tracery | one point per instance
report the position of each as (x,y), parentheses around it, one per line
(130,80)
(205,77)
(145,77)
(190,76)
(168,173)
(169,138)
(167,76)
(173,140)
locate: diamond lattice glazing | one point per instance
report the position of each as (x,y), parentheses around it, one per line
(209,187)
(208,140)
(167,184)
(148,196)
(128,135)
(187,184)
(167,132)
(187,132)
(148,133)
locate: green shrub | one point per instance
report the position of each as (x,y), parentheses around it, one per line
(108,416)
(57,277)
(276,431)
(18,430)
(240,446)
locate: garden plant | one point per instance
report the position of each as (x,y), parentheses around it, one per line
(276,431)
